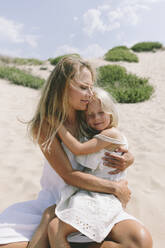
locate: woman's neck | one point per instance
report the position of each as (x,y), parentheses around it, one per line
(71,122)
(71,119)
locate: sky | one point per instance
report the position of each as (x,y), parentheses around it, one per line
(49,28)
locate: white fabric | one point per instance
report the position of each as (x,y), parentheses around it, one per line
(19,221)
(93,214)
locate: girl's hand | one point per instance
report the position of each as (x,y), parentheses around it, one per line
(123,193)
(119,162)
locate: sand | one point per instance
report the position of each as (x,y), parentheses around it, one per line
(143,123)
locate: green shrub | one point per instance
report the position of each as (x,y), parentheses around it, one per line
(124,87)
(54,61)
(30,61)
(19,77)
(146,46)
(120,53)
(20,61)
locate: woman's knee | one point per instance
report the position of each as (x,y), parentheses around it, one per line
(48,214)
(137,236)
(130,234)
(140,237)
(53,226)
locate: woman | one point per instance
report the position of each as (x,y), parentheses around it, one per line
(64,97)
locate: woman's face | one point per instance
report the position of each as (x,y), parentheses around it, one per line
(95,116)
(80,90)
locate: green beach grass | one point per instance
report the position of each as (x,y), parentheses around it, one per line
(124,87)
(146,46)
(20,77)
(20,61)
(121,53)
(55,60)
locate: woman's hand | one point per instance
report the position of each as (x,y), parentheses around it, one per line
(119,162)
(123,193)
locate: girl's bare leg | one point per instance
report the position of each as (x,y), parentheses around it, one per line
(58,232)
(40,237)
(15,245)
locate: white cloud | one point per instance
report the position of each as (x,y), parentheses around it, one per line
(71,36)
(92,51)
(93,22)
(31,40)
(9,52)
(12,32)
(106,18)
(75,18)
(65,49)
(104,7)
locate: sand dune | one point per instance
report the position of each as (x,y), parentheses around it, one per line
(143,124)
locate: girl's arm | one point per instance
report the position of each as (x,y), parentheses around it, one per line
(59,161)
(91,146)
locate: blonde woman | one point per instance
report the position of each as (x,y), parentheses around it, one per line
(79,209)
(65,95)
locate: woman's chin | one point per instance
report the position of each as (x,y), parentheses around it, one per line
(82,108)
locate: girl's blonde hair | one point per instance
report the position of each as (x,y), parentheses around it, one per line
(108,106)
(53,105)
(107,103)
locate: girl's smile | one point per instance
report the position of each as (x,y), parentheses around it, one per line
(96,117)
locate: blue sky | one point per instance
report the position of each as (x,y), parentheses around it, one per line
(48,28)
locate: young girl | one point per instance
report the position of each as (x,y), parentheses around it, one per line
(93,214)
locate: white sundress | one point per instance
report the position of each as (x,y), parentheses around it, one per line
(19,221)
(93,214)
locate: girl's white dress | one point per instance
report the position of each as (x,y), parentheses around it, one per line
(19,221)
(93,214)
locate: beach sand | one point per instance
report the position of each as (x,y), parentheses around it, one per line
(143,124)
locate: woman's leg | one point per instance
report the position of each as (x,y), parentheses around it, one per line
(15,245)
(40,237)
(125,234)
(130,234)
(58,232)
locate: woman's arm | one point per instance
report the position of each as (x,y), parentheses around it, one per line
(61,164)
(120,163)
(91,146)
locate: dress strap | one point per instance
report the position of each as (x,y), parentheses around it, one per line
(111,140)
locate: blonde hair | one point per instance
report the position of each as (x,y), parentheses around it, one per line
(107,104)
(53,105)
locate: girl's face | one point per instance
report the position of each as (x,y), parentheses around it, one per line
(95,116)
(80,90)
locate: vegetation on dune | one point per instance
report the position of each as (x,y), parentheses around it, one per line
(146,46)
(54,61)
(124,87)
(20,77)
(20,61)
(120,53)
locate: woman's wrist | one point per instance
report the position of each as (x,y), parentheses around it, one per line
(114,188)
